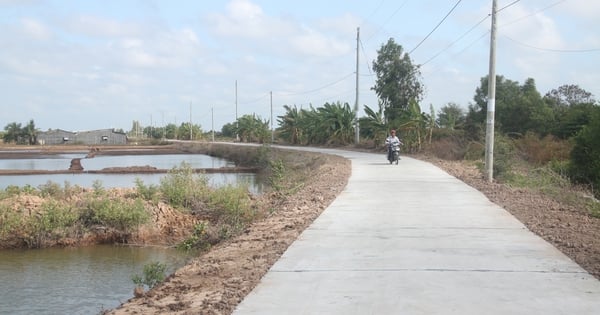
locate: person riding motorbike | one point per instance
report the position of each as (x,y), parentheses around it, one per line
(391,141)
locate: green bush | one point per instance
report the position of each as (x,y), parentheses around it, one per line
(585,156)
(154,273)
(182,187)
(504,155)
(10,221)
(231,205)
(118,214)
(475,151)
(149,192)
(51,223)
(198,239)
(50,189)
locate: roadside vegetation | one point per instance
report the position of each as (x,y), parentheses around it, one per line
(66,215)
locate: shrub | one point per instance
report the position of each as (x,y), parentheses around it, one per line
(504,155)
(181,187)
(50,189)
(543,150)
(118,214)
(153,274)
(51,223)
(98,188)
(585,161)
(149,193)
(231,205)
(198,238)
(9,221)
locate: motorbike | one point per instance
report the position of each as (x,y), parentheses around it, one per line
(393,153)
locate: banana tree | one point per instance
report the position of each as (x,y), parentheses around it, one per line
(373,126)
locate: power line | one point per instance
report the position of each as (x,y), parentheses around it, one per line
(319,88)
(387,20)
(534,13)
(366,57)
(455,41)
(554,50)
(508,5)
(440,23)
(256,100)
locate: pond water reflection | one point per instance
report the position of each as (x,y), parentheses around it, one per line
(75,280)
(162,161)
(88,280)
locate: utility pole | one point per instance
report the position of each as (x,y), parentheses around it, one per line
(191,133)
(491,102)
(272,131)
(237,136)
(356,127)
(212,121)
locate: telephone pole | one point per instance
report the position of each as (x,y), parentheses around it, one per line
(356,127)
(491,102)
(191,133)
(212,122)
(237,136)
(272,130)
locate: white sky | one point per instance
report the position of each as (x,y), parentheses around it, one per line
(82,65)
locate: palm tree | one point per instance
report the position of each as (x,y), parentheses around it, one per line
(373,126)
(12,132)
(413,124)
(252,129)
(289,125)
(337,120)
(30,132)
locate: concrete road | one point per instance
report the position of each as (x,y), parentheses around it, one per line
(411,239)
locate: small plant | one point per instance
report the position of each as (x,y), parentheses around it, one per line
(153,274)
(277,177)
(232,205)
(196,239)
(149,193)
(50,189)
(98,188)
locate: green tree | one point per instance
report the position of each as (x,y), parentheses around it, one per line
(572,107)
(585,156)
(229,130)
(373,125)
(30,133)
(337,122)
(412,126)
(171,131)
(397,80)
(568,95)
(12,133)
(184,131)
(519,108)
(289,125)
(451,116)
(252,129)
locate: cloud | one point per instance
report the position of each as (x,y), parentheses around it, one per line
(96,26)
(35,29)
(247,23)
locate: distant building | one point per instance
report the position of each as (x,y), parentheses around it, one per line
(93,137)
